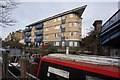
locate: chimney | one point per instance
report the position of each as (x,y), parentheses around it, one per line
(97,25)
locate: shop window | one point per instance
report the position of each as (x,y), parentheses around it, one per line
(71,43)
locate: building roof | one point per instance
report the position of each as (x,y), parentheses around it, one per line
(78,10)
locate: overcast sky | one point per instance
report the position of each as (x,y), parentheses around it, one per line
(30,12)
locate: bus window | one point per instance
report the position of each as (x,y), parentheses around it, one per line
(57,74)
(92,78)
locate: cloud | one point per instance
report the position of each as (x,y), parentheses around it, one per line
(68,0)
(30,12)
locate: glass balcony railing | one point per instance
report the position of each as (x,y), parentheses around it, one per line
(63,29)
(39,26)
(27,40)
(63,21)
(112,20)
(63,38)
(38,33)
(28,30)
(38,39)
(27,34)
(111,30)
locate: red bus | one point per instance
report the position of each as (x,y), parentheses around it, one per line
(78,67)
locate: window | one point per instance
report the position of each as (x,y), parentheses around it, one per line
(54,20)
(57,27)
(74,33)
(71,33)
(62,26)
(70,43)
(63,43)
(56,35)
(75,44)
(74,24)
(71,15)
(74,15)
(71,24)
(38,37)
(63,17)
(46,29)
(46,36)
(59,18)
(44,23)
(62,34)
(56,43)
(48,22)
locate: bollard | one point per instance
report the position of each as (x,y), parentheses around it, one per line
(67,50)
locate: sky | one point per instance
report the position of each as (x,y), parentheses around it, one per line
(31,11)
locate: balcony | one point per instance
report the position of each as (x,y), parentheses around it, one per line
(39,26)
(27,34)
(63,38)
(38,33)
(63,21)
(28,30)
(38,40)
(111,31)
(63,30)
(115,18)
(27,40)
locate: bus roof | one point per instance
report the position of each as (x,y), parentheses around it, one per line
(96,64)
(92,59)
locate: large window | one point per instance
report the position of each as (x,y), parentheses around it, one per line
(46,29)
(63,43)
(56,43)
(54,20)
(56,34)
(75,44)
(59,19)
(71,15)
(73,33)
(57,27)
(74,15)
(74,24)
(71,43)
(63,17)
(46,36)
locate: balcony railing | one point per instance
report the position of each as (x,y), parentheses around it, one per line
(27,40)
(38,39)
(27,34)
(111,30)
(39,26)
(28,30)
(63,38)
(38,33)
(63,21)
(63,29)
(112,20)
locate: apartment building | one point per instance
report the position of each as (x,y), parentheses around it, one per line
(60,30)
(15,36)
(110,33)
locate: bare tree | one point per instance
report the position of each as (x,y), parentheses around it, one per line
(6,7)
